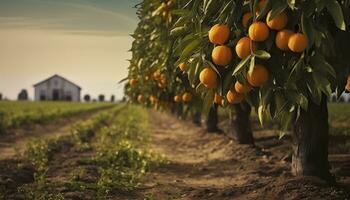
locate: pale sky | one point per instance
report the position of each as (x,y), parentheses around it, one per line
(85,41)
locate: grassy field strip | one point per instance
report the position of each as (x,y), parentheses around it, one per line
(39,151)
(112,145)
(17,114)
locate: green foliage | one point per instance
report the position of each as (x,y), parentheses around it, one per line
(14,114)
(296,79)
(118,140)
(122,151)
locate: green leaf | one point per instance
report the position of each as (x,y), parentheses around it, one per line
(336,11)
(175,32)
(261,111)
(191,72)
(291,4)
(252,64)
(188,51)
(208,102)
(277,8)
(308,29)
(262,54)
(242,64)
(200,88)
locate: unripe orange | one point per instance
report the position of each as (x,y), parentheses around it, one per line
(258,31)
(282,39)
(219,34)
(297,42)
(245,19)
(132,82)
(278,22)
(177,98)
(243,47)
(221,55)
(242,89)
(186,97)
(218,99)
(182,66)
(258,76)
(208,78)
(233,97)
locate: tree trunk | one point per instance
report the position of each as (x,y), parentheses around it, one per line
(196,118)
(212,121)
(310,142)
(240,126)
(179,110)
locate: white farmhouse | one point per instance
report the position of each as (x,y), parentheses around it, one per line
(56,88)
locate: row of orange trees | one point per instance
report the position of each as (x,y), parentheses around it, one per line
(283,58)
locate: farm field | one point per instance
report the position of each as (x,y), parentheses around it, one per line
(130,152)
(14,114)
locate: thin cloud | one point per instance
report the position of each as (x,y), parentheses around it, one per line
(70,17)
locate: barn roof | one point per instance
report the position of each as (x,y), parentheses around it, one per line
(56,75)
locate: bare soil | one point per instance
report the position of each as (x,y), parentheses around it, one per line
(211,166)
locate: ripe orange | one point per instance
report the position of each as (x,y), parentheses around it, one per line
(186,97)
(242,89)
(140,98)
(258,76)
(153,99)
(245,19)
(348,84)
(243,47)
(221,55)
(177,98)
(162,79)
(132,82)
(218,99)
(298,42)
(282,39)
(208,78)
(156,75)
(233,97)
(161,85)
(219,34)
(258,31)
(278,22)
(182,66)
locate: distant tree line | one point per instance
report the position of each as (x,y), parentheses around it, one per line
(101,98)
(23,95)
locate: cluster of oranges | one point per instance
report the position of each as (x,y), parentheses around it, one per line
(258,31)
(160,79)
(185,97)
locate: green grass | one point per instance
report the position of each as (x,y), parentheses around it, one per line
(119,141)
(14,114)
(339,114)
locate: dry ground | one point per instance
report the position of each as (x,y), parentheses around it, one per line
(211,166)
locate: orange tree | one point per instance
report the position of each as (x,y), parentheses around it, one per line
(284,58)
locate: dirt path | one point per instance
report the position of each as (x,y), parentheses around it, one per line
(210,166)
(15,140)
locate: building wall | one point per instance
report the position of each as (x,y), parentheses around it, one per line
(61,86)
